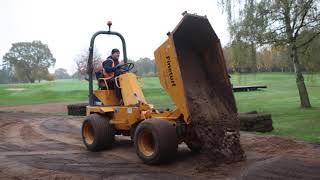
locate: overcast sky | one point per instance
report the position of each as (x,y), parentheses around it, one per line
(67,25)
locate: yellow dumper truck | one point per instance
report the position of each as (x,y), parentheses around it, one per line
(191,70)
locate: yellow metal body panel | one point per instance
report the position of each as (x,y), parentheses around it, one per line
(167,115)
(170,75)
(122,117)
(107,97)
(135,107)
(193,71)
(98,109)
(130,89)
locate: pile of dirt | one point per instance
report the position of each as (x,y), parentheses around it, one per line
(218,131)
(220,140)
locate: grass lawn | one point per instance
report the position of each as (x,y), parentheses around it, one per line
(280,99)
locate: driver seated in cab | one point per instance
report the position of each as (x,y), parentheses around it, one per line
(109,71)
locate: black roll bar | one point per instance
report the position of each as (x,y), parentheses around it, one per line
(90,59)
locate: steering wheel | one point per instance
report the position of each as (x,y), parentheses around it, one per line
(123,68)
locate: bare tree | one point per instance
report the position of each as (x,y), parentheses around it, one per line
(81,61)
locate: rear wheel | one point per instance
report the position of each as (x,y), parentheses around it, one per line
(155,141)
(97,133)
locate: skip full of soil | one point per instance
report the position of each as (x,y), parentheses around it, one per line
(211,104)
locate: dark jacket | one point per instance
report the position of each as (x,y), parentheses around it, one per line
(107,65)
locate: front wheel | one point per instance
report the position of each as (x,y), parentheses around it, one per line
(97,133)
(156,141)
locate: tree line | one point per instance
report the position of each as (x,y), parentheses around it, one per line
(237,55)
(265,35)
(259,29)
(28,62)
(18,67)
(239,58)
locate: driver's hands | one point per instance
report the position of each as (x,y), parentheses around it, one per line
(118,66)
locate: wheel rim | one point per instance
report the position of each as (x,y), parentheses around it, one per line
(88,133)
(146,143)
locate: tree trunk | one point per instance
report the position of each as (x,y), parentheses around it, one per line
(303,93)
(30,79)
(253,57)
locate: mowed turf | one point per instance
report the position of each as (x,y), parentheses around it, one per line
(280,99)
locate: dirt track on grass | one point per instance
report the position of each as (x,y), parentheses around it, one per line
(49,146)
(60,107)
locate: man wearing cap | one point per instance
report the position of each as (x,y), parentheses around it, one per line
(108,70)
(110,65)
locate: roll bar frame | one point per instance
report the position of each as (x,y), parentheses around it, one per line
(90,58)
